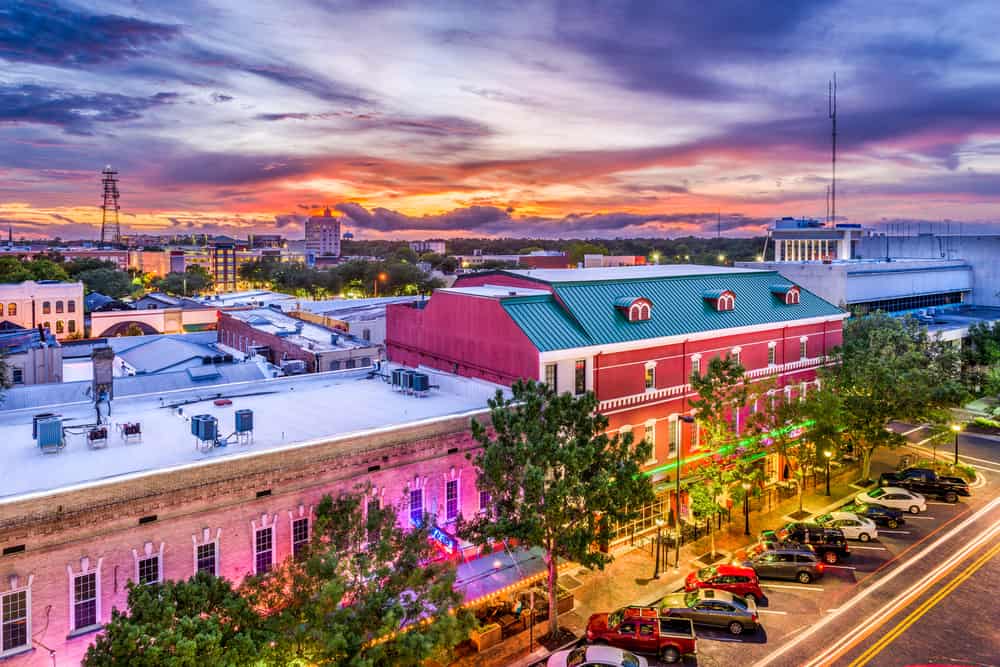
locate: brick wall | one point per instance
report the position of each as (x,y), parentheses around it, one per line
(240,335)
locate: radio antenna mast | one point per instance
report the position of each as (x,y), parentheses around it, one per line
(832,112)
(110,208)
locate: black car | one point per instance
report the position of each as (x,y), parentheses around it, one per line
(927,483)
(880,514)
(828,543)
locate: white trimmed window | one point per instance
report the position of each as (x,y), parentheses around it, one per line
(206,558)
(84,600)
(263,550)
(552,376)
(15,621)
(451,499)
(417,507)
(803,348)
(675,436)
(696,364)
(735,354)
(300,535)
(650,377)
(771,353)
(484,501)
(148,570)
(650,437)
(803,386)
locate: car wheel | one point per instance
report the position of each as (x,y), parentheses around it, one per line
(830,557)
(864,537)
(736,628)
(670,655)
(804,577)
(892,523)
(914,510)
(951,497)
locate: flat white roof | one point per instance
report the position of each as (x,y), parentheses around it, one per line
(627,272)
(495,291)
(287,412)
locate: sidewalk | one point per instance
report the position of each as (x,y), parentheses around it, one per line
(628,579)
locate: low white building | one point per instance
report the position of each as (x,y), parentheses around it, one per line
(55,305)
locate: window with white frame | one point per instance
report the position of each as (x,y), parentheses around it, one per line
(580,377)
(803,386)
(803,347)
(552,376)
(417,507)
(696,365)
(206,558)
(771,354)
(650,437)
(650,377)
(735,354)
(14,621)
(300,535)
(84,600)
(149,570)
(451,499)
(263,550)
(675,436)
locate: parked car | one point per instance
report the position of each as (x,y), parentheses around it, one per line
(927,482)
(706,606)
(735,579)
(893,496)
(829,543)
(596,656)
(880,514)
(853,526)
(787,562)
(644,630)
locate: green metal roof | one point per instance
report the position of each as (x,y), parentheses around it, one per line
(712,293)
(626,301)
(782,288)
(590,317)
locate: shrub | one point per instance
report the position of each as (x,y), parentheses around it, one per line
(983,422)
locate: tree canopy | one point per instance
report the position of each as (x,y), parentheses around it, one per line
(194,280)
(107,281)
(555,478)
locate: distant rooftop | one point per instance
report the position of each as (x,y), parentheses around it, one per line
(347,309)
(304,334)
(644,272)
(496,291)
(288,412)
(245,298)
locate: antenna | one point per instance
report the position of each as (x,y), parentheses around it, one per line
(828,203)
(832,112)
(718,224)
(110,206)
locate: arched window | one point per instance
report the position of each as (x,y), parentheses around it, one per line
(792,297)
(727,302)
(71,306)
(60,327)
(635,308)
(59,306)
(46,307)
(12,309)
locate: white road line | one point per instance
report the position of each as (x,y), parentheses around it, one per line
(842,567)
(794,588)
(878,585)
(922,518)
(912,430)
(871,548)
(771,611)
(894,532)
(934,502)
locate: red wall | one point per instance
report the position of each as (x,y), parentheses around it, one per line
(480,279)
(467,335)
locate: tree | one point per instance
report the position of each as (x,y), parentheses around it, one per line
(194,280)
(78,266)
(46,269)
(576,251)
(365,592)
(201,621)
(13,270)
(555,478)
(890,369)
(110,282)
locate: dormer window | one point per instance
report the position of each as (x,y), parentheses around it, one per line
(720,300)
(789,294)
(635,308)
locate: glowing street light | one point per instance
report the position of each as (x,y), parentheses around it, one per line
(746,508)
(722,258)
(655,257)
(957,428)
(659,531)
(828,454)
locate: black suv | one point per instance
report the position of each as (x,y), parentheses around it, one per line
(828,543)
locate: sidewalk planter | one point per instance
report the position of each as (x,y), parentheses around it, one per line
(486,636)
(564,602)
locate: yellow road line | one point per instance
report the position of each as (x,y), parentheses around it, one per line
(929,604)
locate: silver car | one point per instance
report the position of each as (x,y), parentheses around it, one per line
(797,564)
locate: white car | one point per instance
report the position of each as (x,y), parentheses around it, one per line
(893,496)
(596,656)
(853,526)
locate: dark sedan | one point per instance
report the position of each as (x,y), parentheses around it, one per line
(880,514)
(706,606)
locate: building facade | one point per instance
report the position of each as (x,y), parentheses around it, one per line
(323,235)
(633,336)
(31,357)
(224,267)
(420,247)
(54,305)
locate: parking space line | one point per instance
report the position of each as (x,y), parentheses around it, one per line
(895,532)
(921,518)
(934,502)
(771,611)
(870,548)
(842,567)
(792,587)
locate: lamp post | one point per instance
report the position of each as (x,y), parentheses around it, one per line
(957,428)
(382,277)
(688,419)
(828,454)
(746,508)
(659,530)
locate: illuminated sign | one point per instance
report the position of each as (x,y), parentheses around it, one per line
(442,539)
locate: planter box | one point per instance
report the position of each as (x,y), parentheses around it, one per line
(564,603)
(486,636)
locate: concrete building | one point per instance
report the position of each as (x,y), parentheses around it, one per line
(77,525)
(119,258)
(362,318)
(538,259)
(421,247)
(152,262)
(806,239)
(165,319)
(32,356)
(55,305)
(323,235)
(291,344)
(608,261)
(223,266)
(267,241)
(633,336)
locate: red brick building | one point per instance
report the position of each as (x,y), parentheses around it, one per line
(632,335)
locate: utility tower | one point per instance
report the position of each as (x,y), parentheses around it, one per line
(832,112)
(110,208)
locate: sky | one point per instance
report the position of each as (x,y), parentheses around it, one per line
(553,119)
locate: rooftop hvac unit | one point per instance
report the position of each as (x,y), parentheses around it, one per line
(205,428)
(244,421)
(421,383)
(397,378)
(50,434)
(37,418)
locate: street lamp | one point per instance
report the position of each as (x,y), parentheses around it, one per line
(677,513)
(746,508)
(957,428)
(382,277)
(655,257)
(722,258)
(828,454)
(659,529)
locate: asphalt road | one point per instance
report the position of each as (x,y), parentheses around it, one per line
(922,594)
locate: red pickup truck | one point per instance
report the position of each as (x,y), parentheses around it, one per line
(643,630)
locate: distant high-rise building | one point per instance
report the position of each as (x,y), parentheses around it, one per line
(223,254)
(323,235)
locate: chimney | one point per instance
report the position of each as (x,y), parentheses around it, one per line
(103,358)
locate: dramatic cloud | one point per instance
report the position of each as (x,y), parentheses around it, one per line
(74,112)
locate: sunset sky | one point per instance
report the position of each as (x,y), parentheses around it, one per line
(430,119)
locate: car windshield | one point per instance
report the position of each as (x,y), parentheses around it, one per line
(629,660)
(706,573)
(826,518)
(877,493)
(691,599)
(738,602)
(576,657)
(615,618)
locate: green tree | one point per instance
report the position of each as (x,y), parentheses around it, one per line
(555,478)
(194,280)
(13,270)
(78,266)
(576,251)
(257,272)
(46,269)
(364,593)
(110,282)
(201,621)
(890,369)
